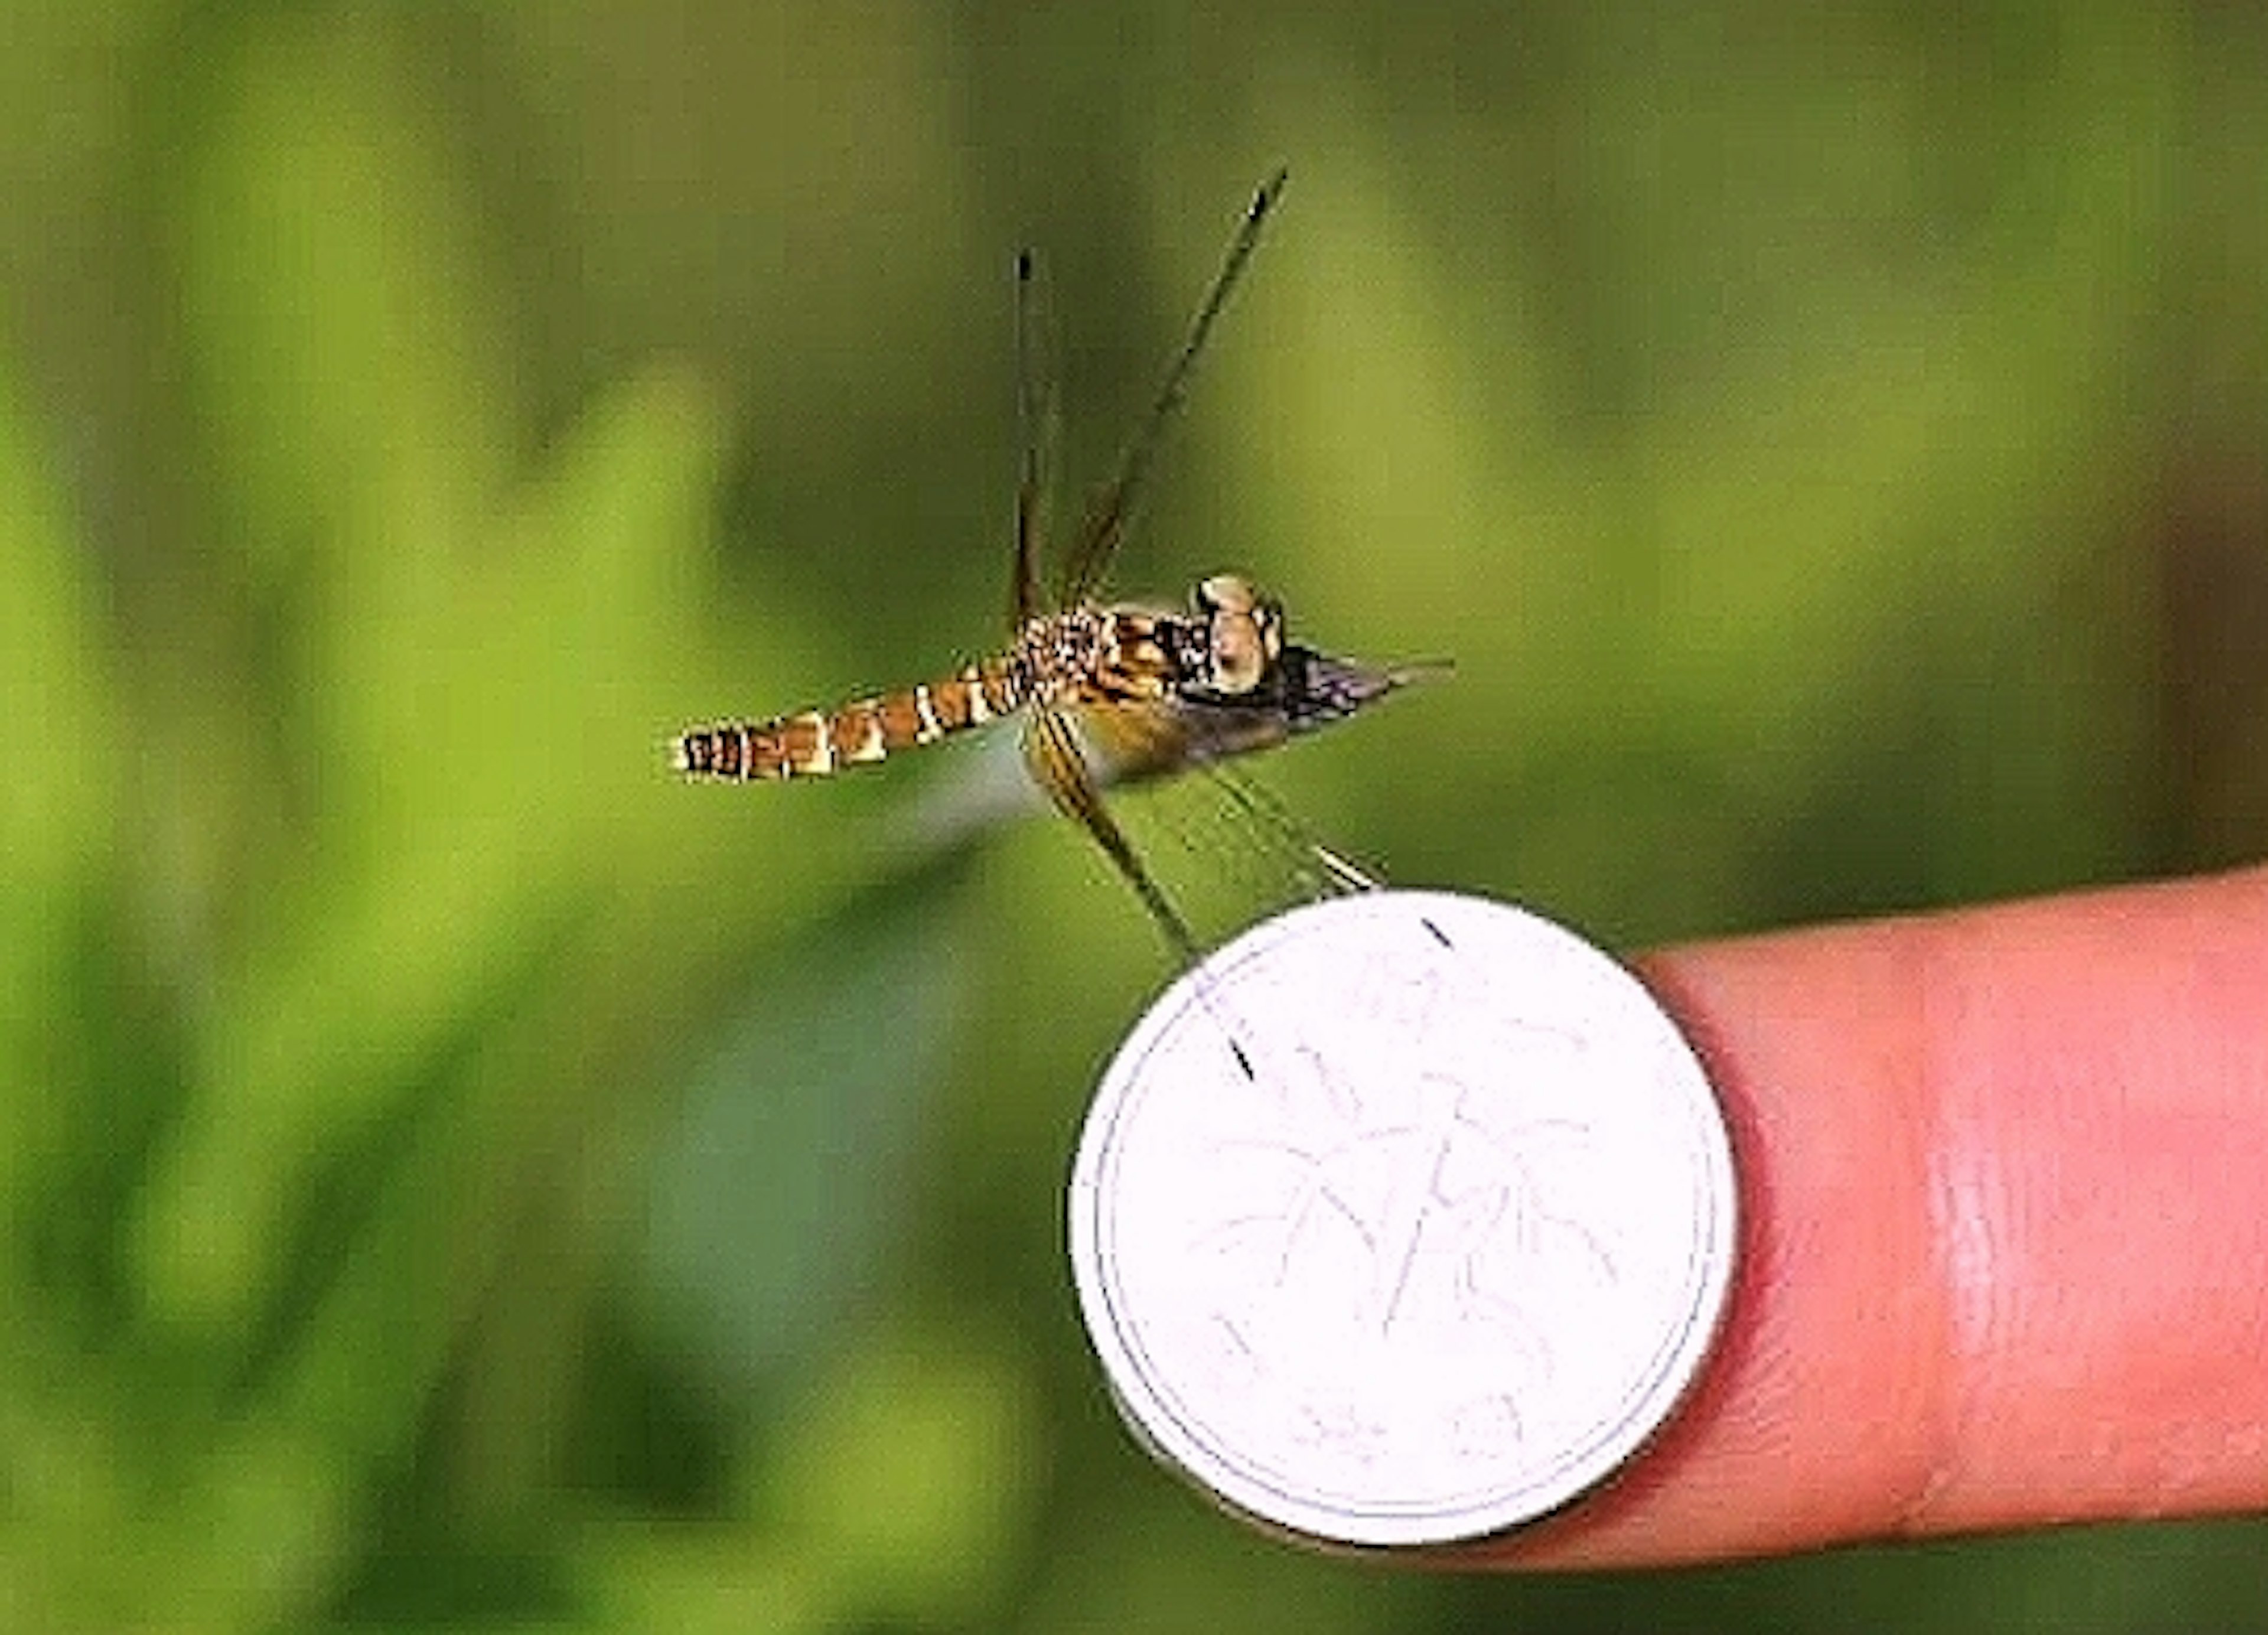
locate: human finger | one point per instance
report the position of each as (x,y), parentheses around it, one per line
(2005,1236)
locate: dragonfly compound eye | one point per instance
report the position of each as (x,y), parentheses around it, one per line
(1224,592)
(1244,633)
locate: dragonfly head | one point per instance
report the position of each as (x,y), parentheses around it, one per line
(1243,634)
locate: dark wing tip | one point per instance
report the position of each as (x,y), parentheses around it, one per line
(1269,191)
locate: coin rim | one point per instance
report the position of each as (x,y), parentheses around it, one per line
(1147,1409)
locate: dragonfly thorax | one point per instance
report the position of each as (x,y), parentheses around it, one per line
(1224,650)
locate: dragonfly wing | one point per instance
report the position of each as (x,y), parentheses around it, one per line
(1150,742)
(1106,519)
(1058,765)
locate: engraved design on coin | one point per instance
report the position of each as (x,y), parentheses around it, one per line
(1443,1260)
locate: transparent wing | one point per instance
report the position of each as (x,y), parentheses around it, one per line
(1106,519)
(1227,829)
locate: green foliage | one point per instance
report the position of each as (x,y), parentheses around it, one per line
(453,1175)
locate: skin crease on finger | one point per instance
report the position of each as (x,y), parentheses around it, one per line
(2005,1234)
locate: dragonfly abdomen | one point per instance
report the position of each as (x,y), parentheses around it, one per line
(818,743)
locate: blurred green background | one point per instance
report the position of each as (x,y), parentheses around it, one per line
(456,1175)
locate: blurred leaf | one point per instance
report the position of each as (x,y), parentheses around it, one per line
(907,1482)
(782,1180)
(450,633)
(59,715)
(350,342)
(62,736)
(1151,1556)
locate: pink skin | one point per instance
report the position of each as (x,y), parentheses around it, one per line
(2004,1174)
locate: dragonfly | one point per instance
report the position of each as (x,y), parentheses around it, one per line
(1106,694)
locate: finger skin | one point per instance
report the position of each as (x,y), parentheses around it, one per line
(2004,1242)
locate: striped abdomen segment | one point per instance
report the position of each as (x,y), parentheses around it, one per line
(814,743)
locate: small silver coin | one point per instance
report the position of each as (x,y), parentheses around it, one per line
(1432,1248)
